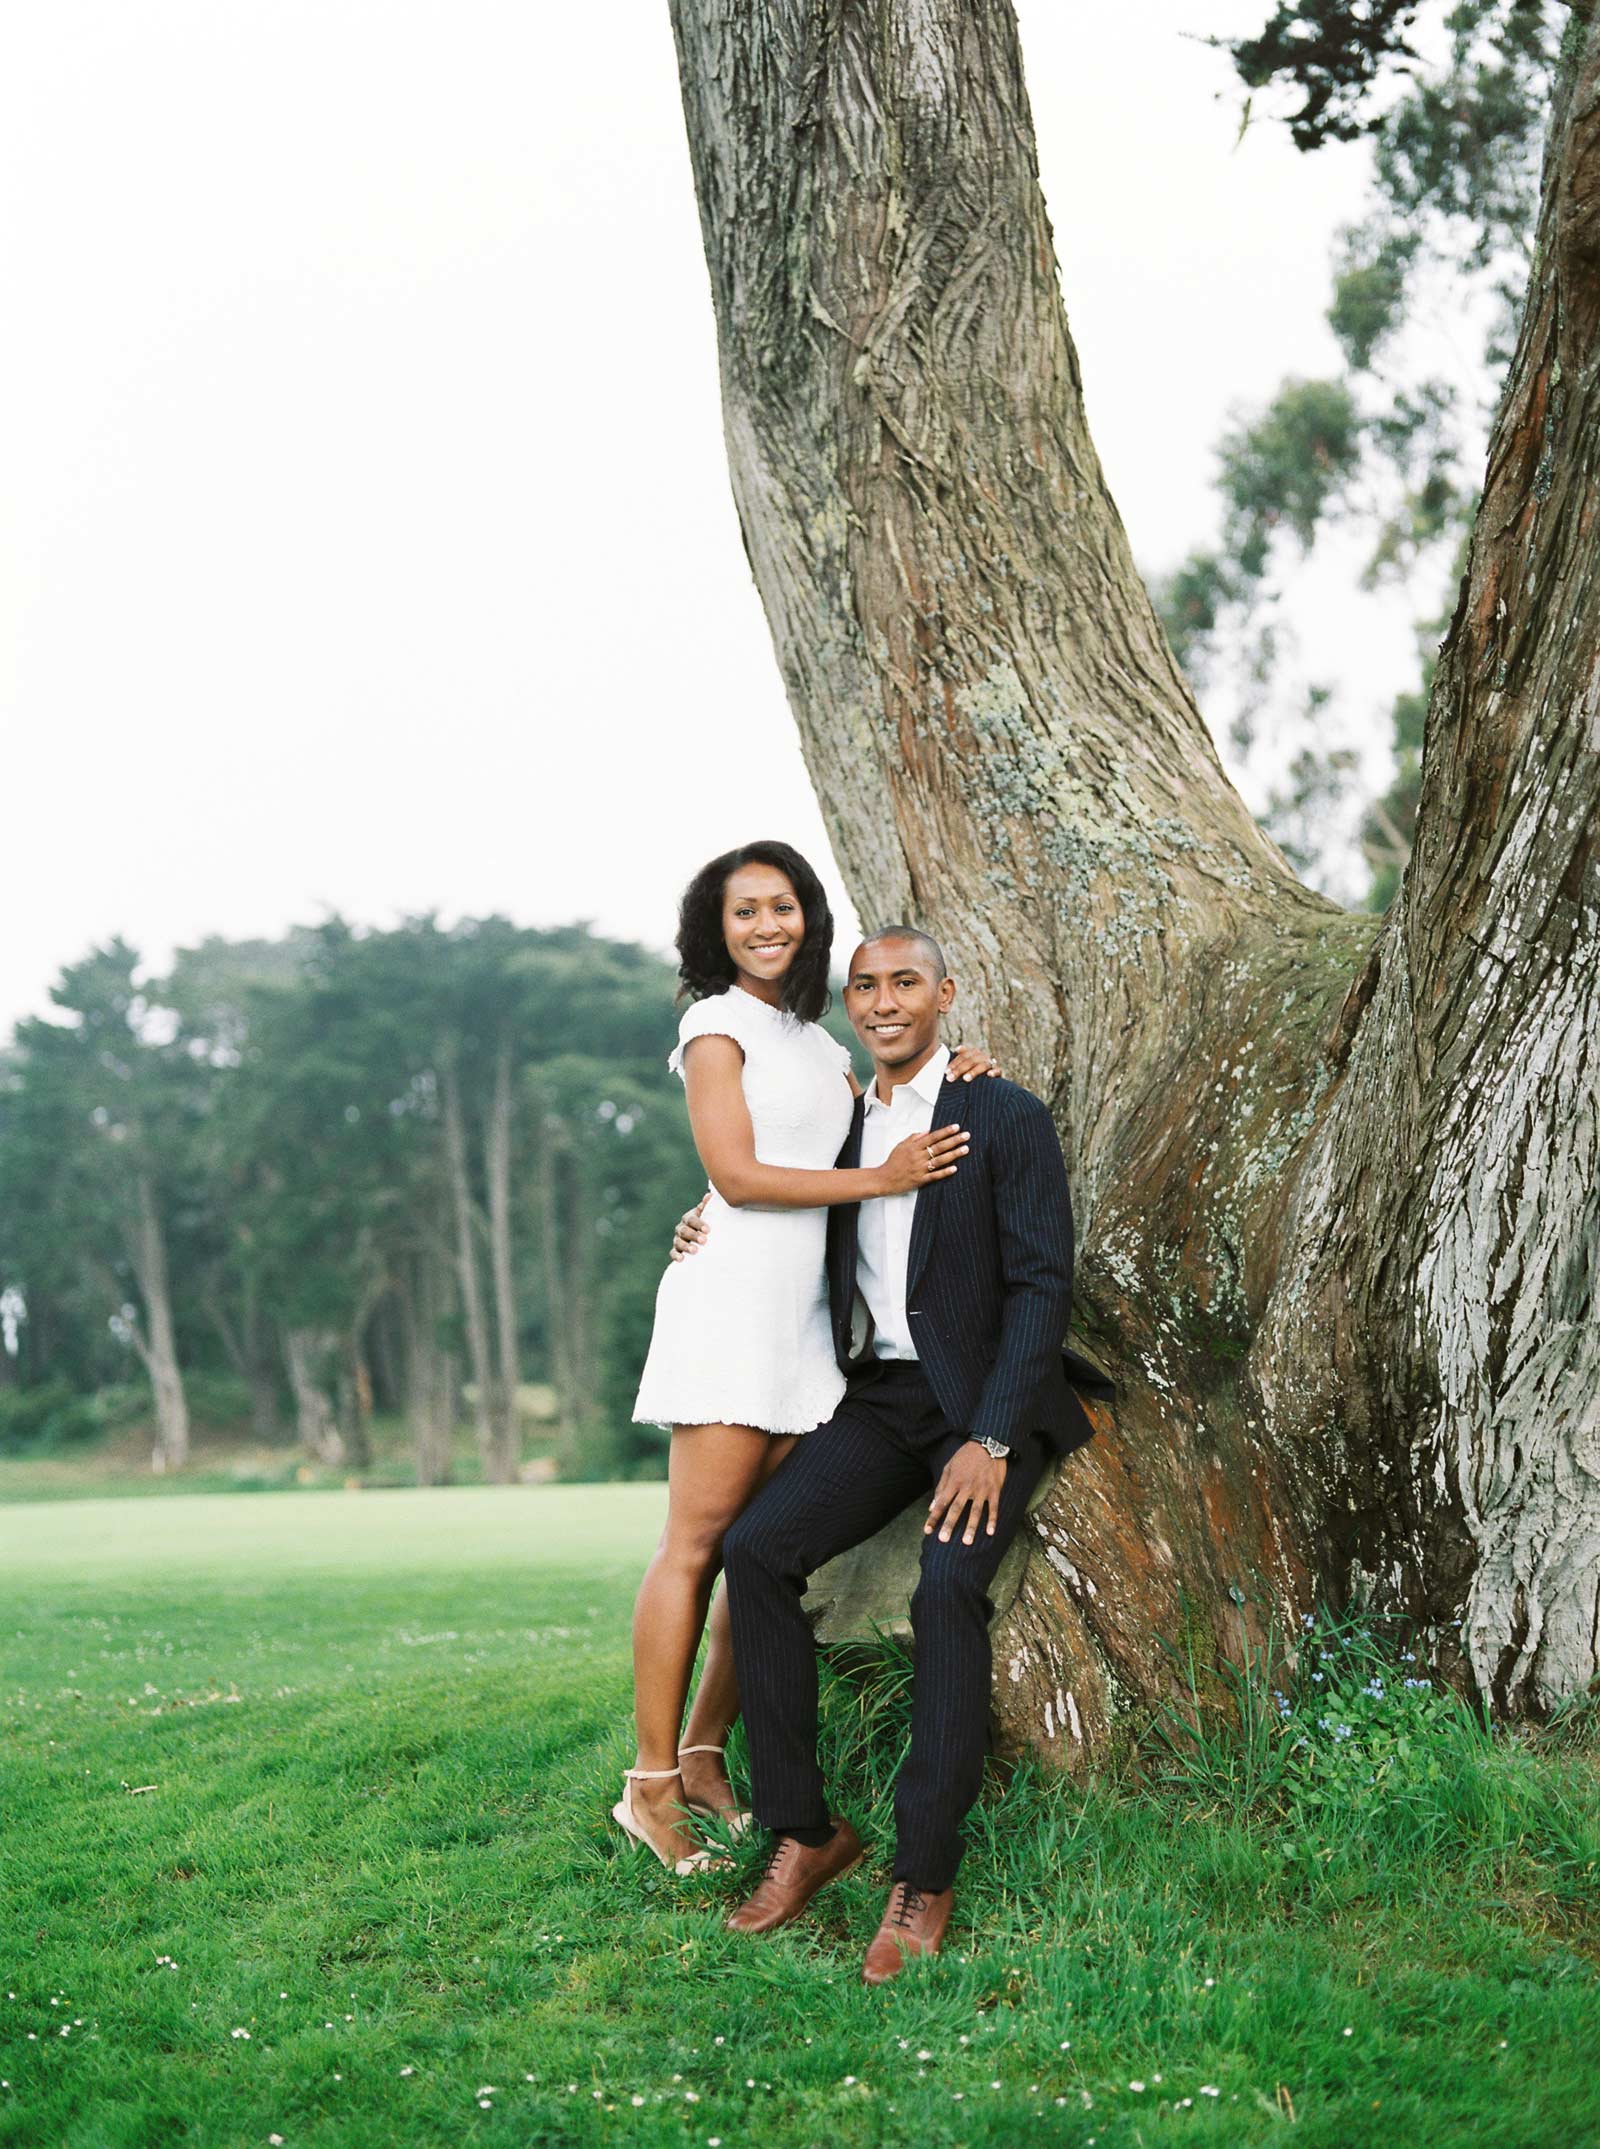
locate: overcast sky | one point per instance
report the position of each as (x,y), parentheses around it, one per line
(365,536)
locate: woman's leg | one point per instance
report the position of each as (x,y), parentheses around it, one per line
(715,1708)
(712,1473)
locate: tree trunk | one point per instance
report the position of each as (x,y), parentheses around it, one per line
(494,1466)
(245,1341)
(156,1343)
(429,1369)
(564,1246)
(312,1355)
(497,1159)
(1333,1176)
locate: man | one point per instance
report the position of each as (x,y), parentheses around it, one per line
(961,1383)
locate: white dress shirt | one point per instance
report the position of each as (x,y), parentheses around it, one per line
(883,1232)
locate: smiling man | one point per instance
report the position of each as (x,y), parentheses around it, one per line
(949,1308)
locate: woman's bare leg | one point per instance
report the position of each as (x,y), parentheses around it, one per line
(716,1701)
(712,1472)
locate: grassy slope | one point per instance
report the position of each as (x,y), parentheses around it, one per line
(388,1860)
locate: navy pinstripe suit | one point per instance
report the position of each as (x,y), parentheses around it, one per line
(988,1296)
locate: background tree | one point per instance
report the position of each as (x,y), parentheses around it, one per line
(1384,456)
(1335,1176)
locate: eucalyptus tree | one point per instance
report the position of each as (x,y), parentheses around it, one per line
(1336,1176)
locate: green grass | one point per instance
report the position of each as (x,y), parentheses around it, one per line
(383,1730)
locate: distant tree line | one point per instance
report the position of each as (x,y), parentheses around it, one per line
(404,1170)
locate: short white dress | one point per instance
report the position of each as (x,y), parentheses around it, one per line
(741,1334)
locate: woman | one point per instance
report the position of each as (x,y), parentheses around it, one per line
(741,1360)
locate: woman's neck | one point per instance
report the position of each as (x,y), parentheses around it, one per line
(769,991)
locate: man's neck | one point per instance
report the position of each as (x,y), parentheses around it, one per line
(888,1079)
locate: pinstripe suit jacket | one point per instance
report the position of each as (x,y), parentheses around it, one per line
(989,1275)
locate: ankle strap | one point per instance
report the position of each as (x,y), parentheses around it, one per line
(702,1749)
(635,1773)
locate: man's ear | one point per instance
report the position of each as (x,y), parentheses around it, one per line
(947,993)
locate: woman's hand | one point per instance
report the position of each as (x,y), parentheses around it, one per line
(692,1231)
(969,1061)
(920,1158)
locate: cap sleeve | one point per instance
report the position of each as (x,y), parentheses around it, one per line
(714,1017)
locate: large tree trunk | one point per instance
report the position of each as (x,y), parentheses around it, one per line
(1333,1176)
(156,1341)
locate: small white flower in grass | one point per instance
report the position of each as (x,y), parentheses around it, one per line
(338,2078)
(412,2070)
(1136,2085)
(283,1996)
(1211,1981)
(719,2040)
(849,2081)
(240,2033)
(636,2102)
(713,2141)
(275,2139)
(1209,2089)
(1155,2078)
(924,2055)
(484,2105)
(488,2090)
(691,2096)
(1502,2044)
(349,2018)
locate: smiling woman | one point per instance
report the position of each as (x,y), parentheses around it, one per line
(742,1359)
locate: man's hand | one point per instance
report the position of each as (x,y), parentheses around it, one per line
(691,1231)
(971,1483)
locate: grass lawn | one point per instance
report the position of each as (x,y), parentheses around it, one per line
(306,1838)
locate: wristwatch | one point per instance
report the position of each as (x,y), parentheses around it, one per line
(996,1448)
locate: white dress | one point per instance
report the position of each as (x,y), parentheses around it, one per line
(741,1334)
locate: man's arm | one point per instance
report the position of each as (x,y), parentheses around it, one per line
(1033,1219)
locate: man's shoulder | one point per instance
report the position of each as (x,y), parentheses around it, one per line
(999,1099)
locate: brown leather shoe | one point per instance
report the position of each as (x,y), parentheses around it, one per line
(913,1924)
(794,1874)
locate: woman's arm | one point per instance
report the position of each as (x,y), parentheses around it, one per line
(713,1068)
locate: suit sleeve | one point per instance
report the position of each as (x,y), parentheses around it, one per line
(1033,1218)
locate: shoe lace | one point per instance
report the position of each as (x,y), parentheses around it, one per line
(909,1901)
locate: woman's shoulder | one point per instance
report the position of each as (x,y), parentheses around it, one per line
(720,1014)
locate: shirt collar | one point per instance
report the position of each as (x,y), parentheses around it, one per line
(926,1082)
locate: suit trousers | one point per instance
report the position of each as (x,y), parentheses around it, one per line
(885,1445)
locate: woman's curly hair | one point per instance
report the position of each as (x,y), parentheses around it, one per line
(704,964)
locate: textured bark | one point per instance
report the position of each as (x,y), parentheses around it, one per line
(1333,1176)
(156,1341)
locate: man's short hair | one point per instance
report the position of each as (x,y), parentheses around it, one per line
(930,948)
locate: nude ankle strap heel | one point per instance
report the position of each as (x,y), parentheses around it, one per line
(701,1861)
(738,1824)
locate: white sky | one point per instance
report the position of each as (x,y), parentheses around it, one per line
(365,535)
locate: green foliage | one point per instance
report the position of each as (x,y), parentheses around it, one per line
(1394,449)
(1332,53)
(283,1104)
(45,1418)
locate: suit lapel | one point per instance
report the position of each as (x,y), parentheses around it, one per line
(925,1216)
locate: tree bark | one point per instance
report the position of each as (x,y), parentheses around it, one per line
(156,1342)
(495,1470)
(1333,1176)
